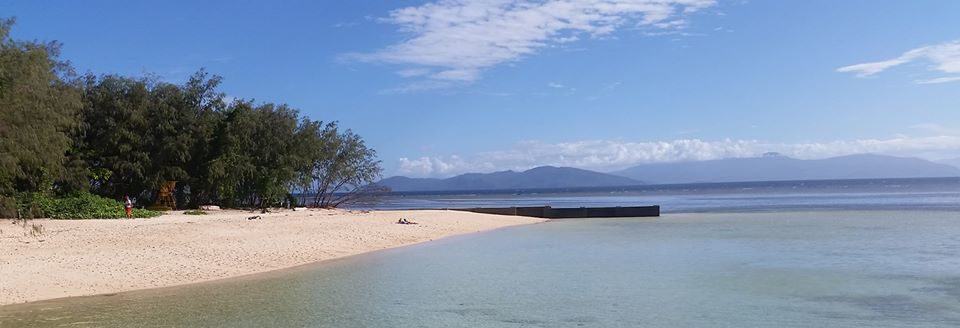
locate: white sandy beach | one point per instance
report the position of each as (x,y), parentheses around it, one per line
(88,257)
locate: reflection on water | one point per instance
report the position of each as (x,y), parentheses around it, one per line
(794,269)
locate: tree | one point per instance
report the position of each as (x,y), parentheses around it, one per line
(39,103)
(274,155)
(138,133)
(181,125)
(115,135)
(111,142)
(256,161)
(344,168)
(201,94)
(231,168)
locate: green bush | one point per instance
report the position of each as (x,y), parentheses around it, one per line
(26,205)
(90,206)
(144,213)
(8,207)
(70,207)
(195,212)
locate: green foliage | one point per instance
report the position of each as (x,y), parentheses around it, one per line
(256,154)
(38,113)
(140,213)
(89,206)
(34,205)
(112,142)
(117,136)
(79,205)
(195,212)
(139,133)
(26,205)
(8,207)
(341,169)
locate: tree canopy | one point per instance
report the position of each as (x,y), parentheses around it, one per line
(115,135)
(40,107)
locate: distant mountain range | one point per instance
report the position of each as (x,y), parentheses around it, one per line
(537,178)
(770,167)
(955,162)
(773,167)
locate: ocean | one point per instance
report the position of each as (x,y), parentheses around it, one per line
(870,194)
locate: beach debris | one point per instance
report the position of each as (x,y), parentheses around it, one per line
(405,221)
(299,209)
(209,207)
(37,230)
(255,217)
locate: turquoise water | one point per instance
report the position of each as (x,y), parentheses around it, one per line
(781,269)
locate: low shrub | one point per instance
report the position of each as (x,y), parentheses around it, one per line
(8,207)
(79,206)
(24,205)
(141,213)
(195,212)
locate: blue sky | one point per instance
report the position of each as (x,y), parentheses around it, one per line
(446,87)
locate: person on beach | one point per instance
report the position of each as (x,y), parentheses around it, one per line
(128,205)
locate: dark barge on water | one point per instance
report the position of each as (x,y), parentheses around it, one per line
(548,212)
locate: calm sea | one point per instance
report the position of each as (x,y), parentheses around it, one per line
(872,194)
(807,254)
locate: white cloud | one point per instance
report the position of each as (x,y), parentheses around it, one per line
(418,86)
(459,39)
(608,155)
(413,72)
(944,79)
(556,85)
(436,166)
(945,58)
(459,75)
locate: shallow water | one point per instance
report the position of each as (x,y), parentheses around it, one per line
(787,269)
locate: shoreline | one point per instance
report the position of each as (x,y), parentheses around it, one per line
(96,257)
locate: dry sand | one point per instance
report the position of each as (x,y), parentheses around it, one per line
(74,258)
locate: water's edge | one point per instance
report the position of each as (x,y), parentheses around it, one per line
(253,276)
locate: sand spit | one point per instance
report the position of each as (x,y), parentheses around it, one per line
(75,258)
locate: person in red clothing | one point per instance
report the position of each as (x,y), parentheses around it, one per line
(128,205)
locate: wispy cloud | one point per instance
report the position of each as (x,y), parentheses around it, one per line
(945,79)
(413,72)
(606,155)
(945,58)
(418,86)
(456,40)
